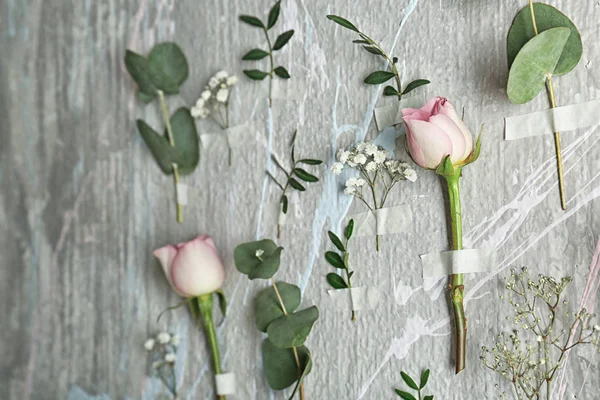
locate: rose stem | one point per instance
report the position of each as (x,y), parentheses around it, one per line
(205,304)
(167,120)
(457,287)
(293,348)
(559,163)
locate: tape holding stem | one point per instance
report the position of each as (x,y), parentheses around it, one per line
(383,221)
(458,262)
(225,383)
(356,298)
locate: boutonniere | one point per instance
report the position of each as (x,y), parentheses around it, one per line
(177,151)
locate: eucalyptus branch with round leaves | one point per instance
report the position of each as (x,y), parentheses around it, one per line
(161,73)
(542,43)
(410,382)
(379,77)
(285,358)
(340,261)
(258,53)
(291,182)
(532,355)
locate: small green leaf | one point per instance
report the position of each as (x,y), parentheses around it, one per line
(408,380)
(292,330)
(274,15)
(169,58)
(296,185)
(446,168)
(430,397)
(255,74)
(248,263)
(361,41)
(415,84)
(343,22)
(336,281)
(222,302)
(255,54)
(280,365)
(306,367)
(309,161)
(424,378)
(250,20)
(268,308)
(405,395)
(379,77)
(282,73)
(350,274)
(335,260)
(284,204)
(186,140)
(336,241)
(138,68)
(305,176)
(283,39)
(390,91)
(164,154)
(349,229)
(374,50)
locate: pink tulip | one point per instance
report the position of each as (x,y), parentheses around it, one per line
(436,131)
(193,268)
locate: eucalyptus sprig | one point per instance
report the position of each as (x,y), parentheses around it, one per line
(258,53)
(339,260)
(413,385)
(291,182)
(285,358)
(379,77)
(162,72)
(531,356)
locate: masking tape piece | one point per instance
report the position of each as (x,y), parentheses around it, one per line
(387,116)
(282,217)
(225,383)
(356,298)
(288,89)
(458,262)
(273,215)
(237,136)
(559,119)
(383,221)
(182,193)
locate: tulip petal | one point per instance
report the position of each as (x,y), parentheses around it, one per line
(429,143)
(449,111)
(455,134)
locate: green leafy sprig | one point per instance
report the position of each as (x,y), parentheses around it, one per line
(162,72)
(291,182)
(285,358)
(413,385)
(339,261)
(379,77)
(258,53)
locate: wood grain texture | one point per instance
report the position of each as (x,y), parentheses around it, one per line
(82,203)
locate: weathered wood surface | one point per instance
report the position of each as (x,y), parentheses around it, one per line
(83,204)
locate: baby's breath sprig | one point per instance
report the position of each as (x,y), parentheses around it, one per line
(214,102)
(258,54)
(377,171)
(162,349)
(410,382)
(379,77)
(291,175)
(340,261)
(534,352)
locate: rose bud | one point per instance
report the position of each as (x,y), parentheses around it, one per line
(193,268)
(436,131)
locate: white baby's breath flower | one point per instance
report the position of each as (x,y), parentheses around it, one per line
(410,174)
(205,95)
(379,157)
(360,182)
(170,357)
(232,80)
(175,340)
(392,166)
(149,344)
(351,164)
(201,102)
(597,328)
(350,190)
(259,253)
(371,167)
(403,165)
(222,95)
(223,85)
(163,338)
(343,156)
(542,361)
(370,149)
(213,82)
(359,159)
(539,338)
(199,112)
(360,147)
(221,75)
(337,168)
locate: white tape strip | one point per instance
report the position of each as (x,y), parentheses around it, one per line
(225,383)
(387,116)
(288,89)
(182,193)
(272,214)
(559,119)
(237,136)
(357,298)
(383,221)
(458,262)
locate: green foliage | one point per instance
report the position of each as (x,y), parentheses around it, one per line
(410,382)
(339,260)
(291,330)
(536,61)
(255,54)
(415,84)
(343,22)
(283,39)
(255,74)
(268,308)
(249,262)
(379,77)
(280,365)
(336,281)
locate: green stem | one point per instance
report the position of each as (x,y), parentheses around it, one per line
(205,304)
(457,285)
(227,133)
(272,67)
(346,256)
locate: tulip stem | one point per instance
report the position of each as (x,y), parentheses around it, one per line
(457,285)
(205,305)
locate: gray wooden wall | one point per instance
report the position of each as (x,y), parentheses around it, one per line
(82,203)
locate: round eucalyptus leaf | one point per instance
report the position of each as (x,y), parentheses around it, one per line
(162,151)
(169,58)
(186,140)
(546,17)
(249,263)
(534,63)
(280,365)
(292,330)
(267,305)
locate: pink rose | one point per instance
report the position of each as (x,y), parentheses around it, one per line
(193,268)
(436,131)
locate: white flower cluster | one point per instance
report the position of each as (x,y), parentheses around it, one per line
(217,91)
(165,343)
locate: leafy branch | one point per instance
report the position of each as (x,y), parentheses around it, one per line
(413,385)
(379,77)
(258,53)
(340,261)
(291,175)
